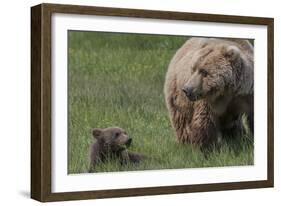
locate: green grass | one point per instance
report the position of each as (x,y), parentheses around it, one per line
(117,80)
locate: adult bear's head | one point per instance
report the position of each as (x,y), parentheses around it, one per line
(215,69)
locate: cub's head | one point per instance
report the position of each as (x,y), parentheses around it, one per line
(215,69)
(115,138)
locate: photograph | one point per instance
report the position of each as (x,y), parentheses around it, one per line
(152,102)
(131,102)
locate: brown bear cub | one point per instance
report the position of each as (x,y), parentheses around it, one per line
(112,143)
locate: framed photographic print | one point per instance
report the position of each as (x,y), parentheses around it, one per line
(132,102)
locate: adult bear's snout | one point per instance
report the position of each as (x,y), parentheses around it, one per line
(189,92)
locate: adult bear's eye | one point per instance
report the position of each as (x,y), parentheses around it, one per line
(203,72)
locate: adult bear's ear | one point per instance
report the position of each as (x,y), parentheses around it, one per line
(97,133)
(232,53)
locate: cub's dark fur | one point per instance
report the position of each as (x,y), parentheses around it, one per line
(112,143)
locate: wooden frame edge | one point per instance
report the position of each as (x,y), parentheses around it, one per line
(158,14)
(36,139)
(270,100)
(101,194)
(41,101)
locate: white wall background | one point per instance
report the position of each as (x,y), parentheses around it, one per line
(15,102)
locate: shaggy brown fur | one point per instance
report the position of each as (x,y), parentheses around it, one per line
(112,143)
(209,85)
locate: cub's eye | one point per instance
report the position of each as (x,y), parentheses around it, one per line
(117,134)
(203,72)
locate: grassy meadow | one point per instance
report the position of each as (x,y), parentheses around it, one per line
(117,80)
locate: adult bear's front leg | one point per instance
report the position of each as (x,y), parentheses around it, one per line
(203,126)
(232,126)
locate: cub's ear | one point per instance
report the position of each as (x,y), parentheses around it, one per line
(97,133)
(232,53)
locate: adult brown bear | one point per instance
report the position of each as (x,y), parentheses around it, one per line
(208,87)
